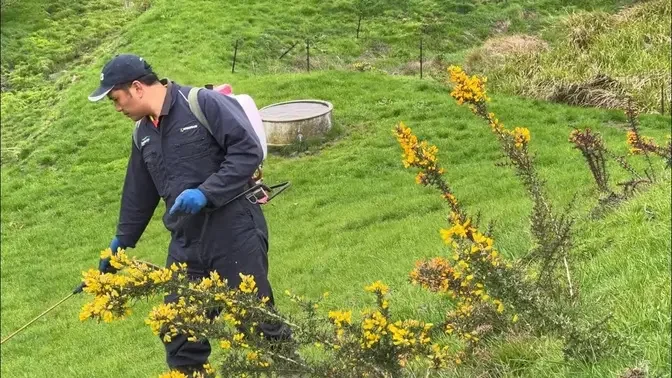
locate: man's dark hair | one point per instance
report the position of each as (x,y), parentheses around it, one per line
(149,79)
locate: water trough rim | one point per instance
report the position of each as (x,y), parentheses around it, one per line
(329,105)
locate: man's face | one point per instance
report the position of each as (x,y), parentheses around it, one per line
(129,101)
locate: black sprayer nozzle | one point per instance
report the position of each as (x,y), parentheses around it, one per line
(79,288)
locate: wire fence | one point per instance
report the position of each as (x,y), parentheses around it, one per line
(308,54)
(417,54)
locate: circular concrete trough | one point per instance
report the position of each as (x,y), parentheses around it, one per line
(294,121)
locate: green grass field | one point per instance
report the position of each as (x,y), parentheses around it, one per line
(353,215)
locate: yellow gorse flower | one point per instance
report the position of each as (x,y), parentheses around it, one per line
(495,125)
(639,143)
(340,317)
(378,287)
(459,230)
(100,307)
(160,315)
(408,143)
(408,333)
(467,89)
(420,178)
(374,327)
(161,276)
(173,374)
(421,155)
(521,136)
(439,356)
(247,285)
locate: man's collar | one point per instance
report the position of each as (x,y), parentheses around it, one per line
(168,100)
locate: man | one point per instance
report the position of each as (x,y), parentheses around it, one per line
(196,172)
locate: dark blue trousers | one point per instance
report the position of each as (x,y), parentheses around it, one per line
(230,240)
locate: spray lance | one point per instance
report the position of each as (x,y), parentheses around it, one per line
(75,291)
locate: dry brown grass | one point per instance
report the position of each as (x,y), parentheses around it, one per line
(498,49)
(583,28)
(634,373)
(601,91)
(640,11)
(432,67)
(513,44)
(591,59)
(411,68)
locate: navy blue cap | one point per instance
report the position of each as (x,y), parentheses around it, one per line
(123,68)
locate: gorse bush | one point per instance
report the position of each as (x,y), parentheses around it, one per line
(550,231)
(478,267)
(488,295)
(643,145)
(592,147)
(595,152)
(336,345)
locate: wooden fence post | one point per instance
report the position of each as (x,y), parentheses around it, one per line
(359,23)
(421,56)
(235,53)
(662,98)
(308,55)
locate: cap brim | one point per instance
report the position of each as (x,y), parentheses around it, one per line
(99,93)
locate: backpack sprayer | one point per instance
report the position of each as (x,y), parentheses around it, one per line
(257,193)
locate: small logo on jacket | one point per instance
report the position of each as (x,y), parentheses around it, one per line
(144,141)
(188,128)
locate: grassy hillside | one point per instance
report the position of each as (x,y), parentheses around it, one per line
(353,215)
(44,42)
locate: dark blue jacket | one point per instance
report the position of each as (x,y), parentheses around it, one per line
(182,154)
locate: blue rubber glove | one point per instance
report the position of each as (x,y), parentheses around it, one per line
(104,265)
(190,201)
